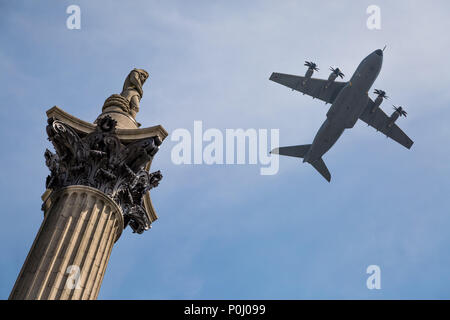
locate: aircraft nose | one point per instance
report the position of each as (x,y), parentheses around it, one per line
(379,52)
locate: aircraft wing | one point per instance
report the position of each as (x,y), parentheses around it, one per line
(380,120)
(312,87)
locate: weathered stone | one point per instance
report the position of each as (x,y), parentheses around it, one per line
(98,184)
(89,222)
(101,161)
(124,106)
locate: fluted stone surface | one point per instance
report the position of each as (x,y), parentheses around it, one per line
(79,229)
(99,184)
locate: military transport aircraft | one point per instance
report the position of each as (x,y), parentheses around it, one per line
(349,101)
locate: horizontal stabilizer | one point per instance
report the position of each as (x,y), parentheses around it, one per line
(300,152)
(292,151)
(320,166)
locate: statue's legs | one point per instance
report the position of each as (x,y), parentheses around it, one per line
(134,106)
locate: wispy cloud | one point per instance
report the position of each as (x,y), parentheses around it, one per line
(225,231)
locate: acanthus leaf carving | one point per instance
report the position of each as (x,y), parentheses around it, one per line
(101,161)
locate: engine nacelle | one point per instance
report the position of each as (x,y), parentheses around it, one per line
(377,103)
(309,73)
(394,116)
(332,77)
(311,68)
(380,96)
(399,111)
(334,74)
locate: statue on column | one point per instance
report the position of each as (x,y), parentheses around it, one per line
(132,89)
(99,184)
(105,156)
(124,106)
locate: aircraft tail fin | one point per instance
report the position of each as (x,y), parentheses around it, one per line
(292,151)
(300,152)
(321,167)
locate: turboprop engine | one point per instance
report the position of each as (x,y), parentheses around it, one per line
(399,111)
(381,95)
(333,75)
(311,68)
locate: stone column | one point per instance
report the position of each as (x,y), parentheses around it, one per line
(98,185)
(71,251)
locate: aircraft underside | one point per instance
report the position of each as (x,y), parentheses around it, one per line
(349,102)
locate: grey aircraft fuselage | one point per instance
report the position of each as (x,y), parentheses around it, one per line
(347,107)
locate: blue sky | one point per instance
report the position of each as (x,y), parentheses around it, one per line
(224,231)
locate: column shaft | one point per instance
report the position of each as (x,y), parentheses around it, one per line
(69,255)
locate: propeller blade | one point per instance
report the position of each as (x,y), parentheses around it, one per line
(311,65)
(400,111)
(381,93)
